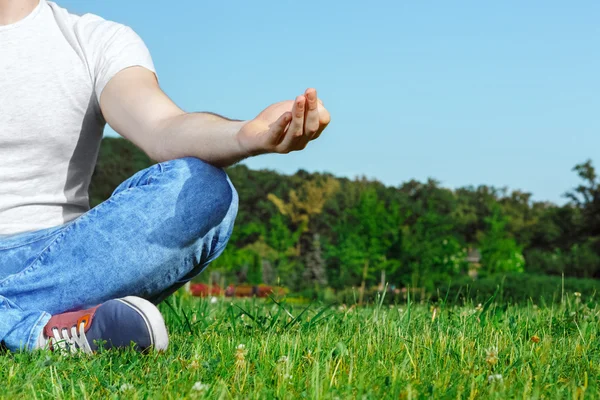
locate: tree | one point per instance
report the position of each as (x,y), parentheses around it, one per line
(365,234)
(431,251)
(303,204)
(314,265)
(499,252)
(417,233)
(586,197)
(255,270)
(306,202)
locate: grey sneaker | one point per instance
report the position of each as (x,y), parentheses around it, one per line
(116,324)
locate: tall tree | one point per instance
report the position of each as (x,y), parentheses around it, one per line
(302,205)
(314,265)
(366,233)
(432,252)
(499,251)
(586,197)
(255,270)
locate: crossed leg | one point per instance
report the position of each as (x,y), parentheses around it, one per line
(158,230)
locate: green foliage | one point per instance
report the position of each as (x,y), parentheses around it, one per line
(365,234)
(586,197)
(579,260)
(431,250)
(499,252)
(416,234)
(255,270)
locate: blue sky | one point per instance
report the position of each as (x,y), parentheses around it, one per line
(505,93)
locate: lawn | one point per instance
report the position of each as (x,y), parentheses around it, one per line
(257,349)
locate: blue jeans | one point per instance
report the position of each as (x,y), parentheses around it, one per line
(158,230)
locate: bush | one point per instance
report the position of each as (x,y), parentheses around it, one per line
(580,260)
(514,288)
(545,262)
(518,288)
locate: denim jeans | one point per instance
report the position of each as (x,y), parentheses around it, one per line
(158,230)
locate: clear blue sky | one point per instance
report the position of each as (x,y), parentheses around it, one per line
(505,93)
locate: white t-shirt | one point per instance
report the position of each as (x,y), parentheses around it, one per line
(53,68)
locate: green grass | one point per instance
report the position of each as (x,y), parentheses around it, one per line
(335,352)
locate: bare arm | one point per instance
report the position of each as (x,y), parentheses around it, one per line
(135,106)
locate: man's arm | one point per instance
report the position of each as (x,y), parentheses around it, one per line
(135,106)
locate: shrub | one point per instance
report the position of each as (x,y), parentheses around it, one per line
(580,260)
(518,288)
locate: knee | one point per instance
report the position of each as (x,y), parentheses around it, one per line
(203,192)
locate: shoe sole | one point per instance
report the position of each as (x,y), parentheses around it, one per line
(153,319)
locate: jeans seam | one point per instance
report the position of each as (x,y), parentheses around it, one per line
(6,303)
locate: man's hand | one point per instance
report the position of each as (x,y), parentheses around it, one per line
(286,126)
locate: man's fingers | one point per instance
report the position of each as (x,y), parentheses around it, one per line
(295,130)
(311,123)
(278,128)
(324,119)
(297,125)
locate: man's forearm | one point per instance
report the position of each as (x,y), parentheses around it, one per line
(205,135)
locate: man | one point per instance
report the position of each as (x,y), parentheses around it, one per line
(71,277)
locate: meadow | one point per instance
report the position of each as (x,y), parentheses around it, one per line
(259,349)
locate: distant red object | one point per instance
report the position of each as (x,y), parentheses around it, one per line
(203,290)
(249,291)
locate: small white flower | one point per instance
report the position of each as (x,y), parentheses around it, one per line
(241,346)
(283,359)
(214,300)
(200,387)
(126,387)
(495,378)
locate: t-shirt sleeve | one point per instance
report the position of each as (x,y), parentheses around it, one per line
(110,48)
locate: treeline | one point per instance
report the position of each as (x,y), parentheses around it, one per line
(316,230)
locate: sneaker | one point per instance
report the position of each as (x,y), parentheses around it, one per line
(116,324)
